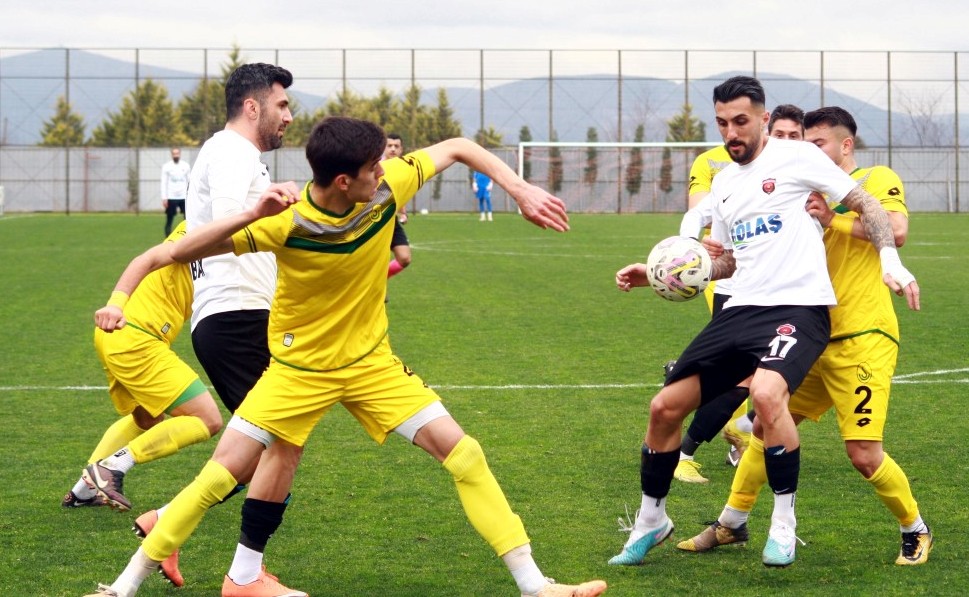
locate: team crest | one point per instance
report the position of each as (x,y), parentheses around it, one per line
(864,372)
(786,329)
(769,185)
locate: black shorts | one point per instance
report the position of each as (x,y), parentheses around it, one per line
(786,339)
(233,348)
(400,237)
(175,206)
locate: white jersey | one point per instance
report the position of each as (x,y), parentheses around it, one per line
(227,179)
(174,179)
(759,213)
(700,216)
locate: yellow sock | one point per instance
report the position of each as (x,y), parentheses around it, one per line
(750,477)
(484,502)
(893,490)
(185,512)
(118,435)
(168,437)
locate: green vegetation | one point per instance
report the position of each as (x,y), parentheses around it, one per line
(539,357)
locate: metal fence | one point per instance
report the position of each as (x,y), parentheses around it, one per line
(907,105)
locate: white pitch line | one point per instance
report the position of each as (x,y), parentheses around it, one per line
(908,378)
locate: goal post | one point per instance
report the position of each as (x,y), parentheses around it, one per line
(605,177)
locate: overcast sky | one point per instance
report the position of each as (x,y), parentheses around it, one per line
(509,24)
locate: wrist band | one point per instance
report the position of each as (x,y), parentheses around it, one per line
(841,223)
(118,299)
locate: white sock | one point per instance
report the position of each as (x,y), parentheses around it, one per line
(685,456)
(246,565)
(161,510)
(652,514)
(784,510)
(82,490)
(732,518)
(122,461)
(524,570)
(744,424)
(138,569)
(918,526)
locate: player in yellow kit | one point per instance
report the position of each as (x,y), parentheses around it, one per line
(146,382)
(854,373)
(328,338)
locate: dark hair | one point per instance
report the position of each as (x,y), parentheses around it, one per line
(342,145)
(255,81)
(737,87)
(786,112)
(395,136)
(832,116)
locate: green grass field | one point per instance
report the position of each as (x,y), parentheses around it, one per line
(539,357)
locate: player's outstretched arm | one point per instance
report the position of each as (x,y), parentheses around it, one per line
(111,316)
(214,238)
(879,231)
(537,205)
(632,276)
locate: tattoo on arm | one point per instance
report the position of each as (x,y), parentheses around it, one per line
(723,266)
(874,218)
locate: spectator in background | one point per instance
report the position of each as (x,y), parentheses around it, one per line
(481,185)
(174,187)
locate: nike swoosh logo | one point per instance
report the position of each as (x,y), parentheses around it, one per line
(727,197)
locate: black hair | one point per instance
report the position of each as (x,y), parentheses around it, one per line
(832,116)
(737,87)
(342,145)
(252,80)
(786,112)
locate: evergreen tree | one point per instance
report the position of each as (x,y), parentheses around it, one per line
(556,172)
(202,111)
(683,127)
(489,138)
(65,128)
(634,171)
(524,136)
(146,118)
(590,174)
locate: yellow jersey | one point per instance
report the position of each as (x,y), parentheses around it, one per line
(328,311)
(706,166)
(864,301)
(163,300)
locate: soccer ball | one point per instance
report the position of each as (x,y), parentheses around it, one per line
(679,268)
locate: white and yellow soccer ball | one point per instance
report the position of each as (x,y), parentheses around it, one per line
(679,268)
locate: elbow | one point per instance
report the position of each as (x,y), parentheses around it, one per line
(900,238)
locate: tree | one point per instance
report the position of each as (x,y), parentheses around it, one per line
(683,127)
(524,136)
(202,111)
(65,128)
(414,121)
(634,170)
(146,119)
(489,138)
(555,170)
(591,171)
(443,123)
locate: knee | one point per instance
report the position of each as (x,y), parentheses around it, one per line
(766,405)
(662,411)
(213,422)
(865,458)
(144,420)
(403,257)
(466,457)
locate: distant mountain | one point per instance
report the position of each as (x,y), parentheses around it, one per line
(30,84)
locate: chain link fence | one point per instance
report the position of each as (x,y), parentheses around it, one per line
(907,105)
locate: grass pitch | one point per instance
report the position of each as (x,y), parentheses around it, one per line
(540,358)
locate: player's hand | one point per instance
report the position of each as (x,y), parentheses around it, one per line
(713,247)
(910,290)
(109,318)
(818,207)
(164,203)
(632,276)
(276,198)
(402,218)
(541,208)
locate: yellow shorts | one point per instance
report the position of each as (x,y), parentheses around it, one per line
(143,371)
(378,390)
(854,376)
